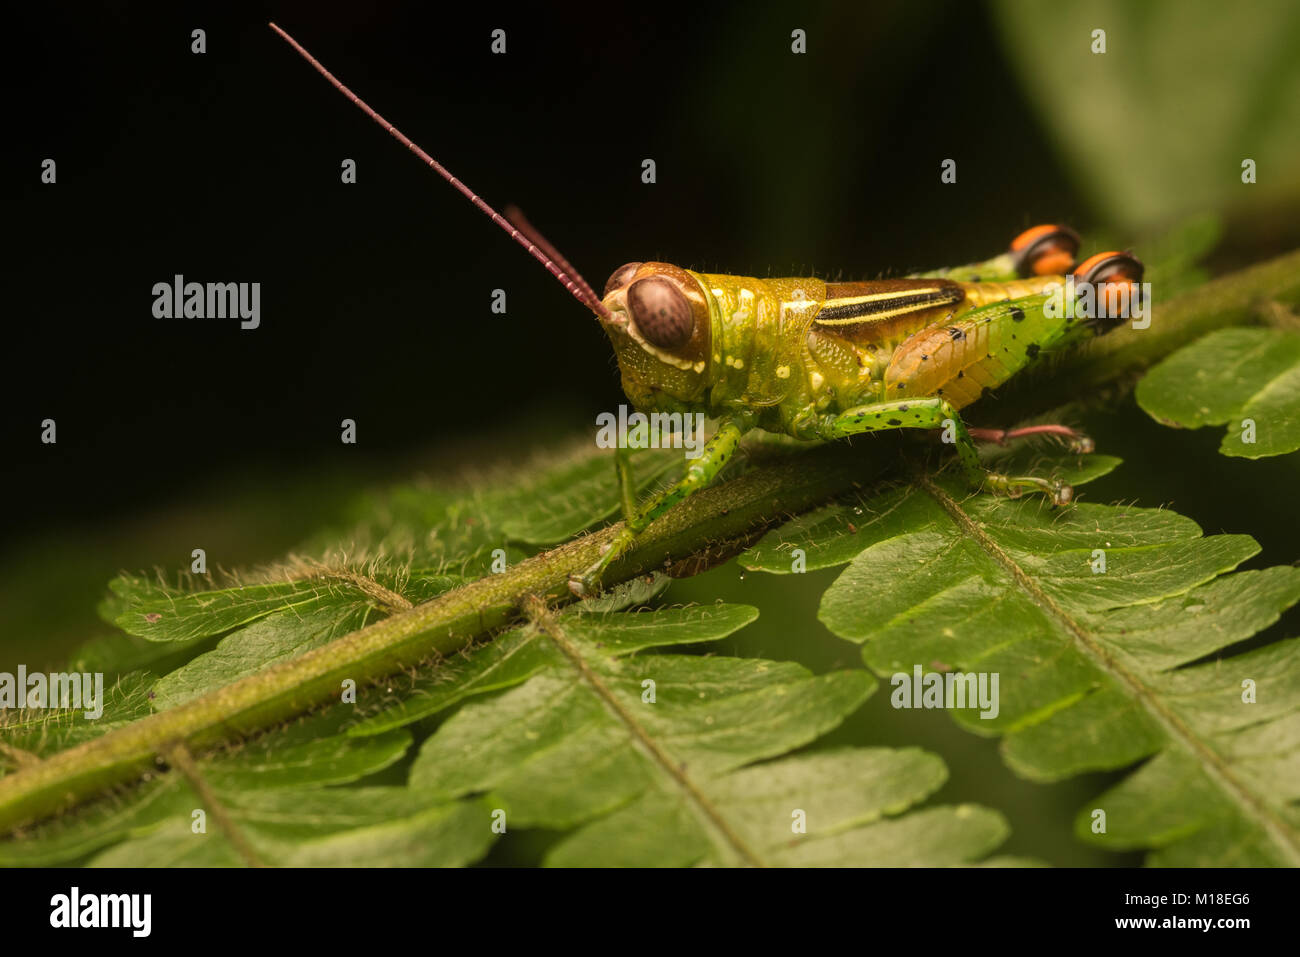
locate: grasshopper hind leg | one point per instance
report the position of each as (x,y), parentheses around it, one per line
(939,414)
(1048,249)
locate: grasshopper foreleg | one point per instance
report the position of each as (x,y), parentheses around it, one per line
(626,481)
(700,473)
(939,414)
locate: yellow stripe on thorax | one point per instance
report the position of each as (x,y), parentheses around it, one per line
(906,296)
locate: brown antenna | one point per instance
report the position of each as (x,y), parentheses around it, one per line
(555,264)
(519,221)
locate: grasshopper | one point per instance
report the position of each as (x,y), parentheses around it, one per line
(823,361)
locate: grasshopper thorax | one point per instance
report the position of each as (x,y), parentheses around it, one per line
(658,322)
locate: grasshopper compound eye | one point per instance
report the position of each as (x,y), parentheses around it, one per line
(1045,251)
(660,311)
(1117,279)
(620,276)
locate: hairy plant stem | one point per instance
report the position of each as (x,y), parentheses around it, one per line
(734,510)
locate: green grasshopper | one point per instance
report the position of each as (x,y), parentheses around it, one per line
(823,361)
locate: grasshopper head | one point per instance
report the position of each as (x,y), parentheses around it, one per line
(659,325)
